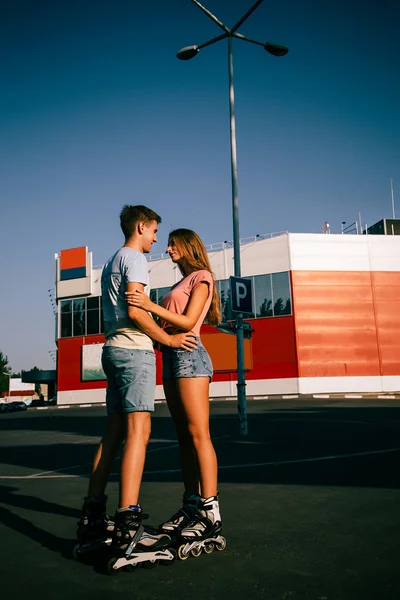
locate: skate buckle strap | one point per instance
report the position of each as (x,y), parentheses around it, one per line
(134,541)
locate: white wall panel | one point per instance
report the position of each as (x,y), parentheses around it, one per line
(391,383)
(322,252)
(384,251)
(352,385)
(81,397)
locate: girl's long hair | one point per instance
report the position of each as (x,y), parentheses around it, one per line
(192,248)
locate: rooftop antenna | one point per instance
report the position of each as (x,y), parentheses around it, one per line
(391,189)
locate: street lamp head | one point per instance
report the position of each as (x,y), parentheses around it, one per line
(276,49)
(188,52)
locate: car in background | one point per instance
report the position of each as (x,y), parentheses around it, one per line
(19,406)
(13,406)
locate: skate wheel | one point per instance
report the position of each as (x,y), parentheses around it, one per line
(208,548)
(196,551)
(130,568)
(150,564)
(221,545)
(181,554)
(110,566)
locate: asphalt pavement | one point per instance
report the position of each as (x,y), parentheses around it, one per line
(309,501)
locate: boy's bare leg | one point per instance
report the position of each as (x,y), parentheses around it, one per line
(137,433)
(108,447)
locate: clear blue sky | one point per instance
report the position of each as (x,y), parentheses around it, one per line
(96,111)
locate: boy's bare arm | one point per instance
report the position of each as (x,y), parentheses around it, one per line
(147,324)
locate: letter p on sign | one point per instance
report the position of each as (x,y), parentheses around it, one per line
(241,294)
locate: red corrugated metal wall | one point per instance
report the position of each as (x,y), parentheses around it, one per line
(347,323)
(386,287)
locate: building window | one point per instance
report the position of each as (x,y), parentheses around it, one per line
(79,324)
(281,294)
(161,292)
(66,318)
(263,295)
(82,316)
(271,296)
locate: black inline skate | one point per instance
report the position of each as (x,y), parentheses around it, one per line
(94,527)
(183,517)
(203,532)
(134,545)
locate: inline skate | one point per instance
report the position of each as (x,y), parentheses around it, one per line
(95,528)
(183,517)
(134,544)
(203,532)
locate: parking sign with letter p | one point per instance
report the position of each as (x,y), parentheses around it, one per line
(241,294)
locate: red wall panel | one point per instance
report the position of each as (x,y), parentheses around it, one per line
(386,288)
(69,369)
(274,350)
(347,323)
(335,324)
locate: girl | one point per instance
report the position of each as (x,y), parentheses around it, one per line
(186,380)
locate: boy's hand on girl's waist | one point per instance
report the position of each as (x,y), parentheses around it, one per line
(185,341)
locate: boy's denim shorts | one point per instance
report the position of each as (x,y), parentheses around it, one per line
(179,363)
(131,379)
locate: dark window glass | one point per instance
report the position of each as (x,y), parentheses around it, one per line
(79,305)
(79,318)
(162,292)
(281,294)
(225,297)
(282,304)
(280,279)
(263,295)
(66,324)
(66,306)
(153,296)
(92,303)
(92,322)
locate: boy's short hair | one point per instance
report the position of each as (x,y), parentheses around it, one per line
(131,215)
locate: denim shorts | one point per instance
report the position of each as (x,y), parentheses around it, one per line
(131,379)
(179,363)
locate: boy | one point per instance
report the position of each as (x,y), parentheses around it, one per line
(128,361)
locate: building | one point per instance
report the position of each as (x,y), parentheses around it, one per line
(326,317)
(18,391)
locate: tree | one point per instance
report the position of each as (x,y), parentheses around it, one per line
(5,372)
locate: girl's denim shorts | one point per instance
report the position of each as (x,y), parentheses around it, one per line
(182,363)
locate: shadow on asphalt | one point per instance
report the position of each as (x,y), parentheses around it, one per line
(54,543)
(322,447)
(285,447)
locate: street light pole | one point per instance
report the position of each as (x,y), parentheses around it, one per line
(241,384)
(186,54)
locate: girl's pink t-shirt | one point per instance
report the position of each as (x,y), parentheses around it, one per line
(178,298)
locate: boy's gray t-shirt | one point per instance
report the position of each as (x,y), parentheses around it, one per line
(127,265)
